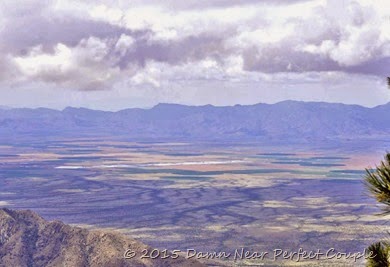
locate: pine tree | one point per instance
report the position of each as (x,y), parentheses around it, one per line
(377,182)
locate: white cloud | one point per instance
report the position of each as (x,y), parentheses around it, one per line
(174,24)
(361,36)
(37,62)
(84,66)
(124,44)
(168,46)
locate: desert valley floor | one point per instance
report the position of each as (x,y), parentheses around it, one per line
(203,196)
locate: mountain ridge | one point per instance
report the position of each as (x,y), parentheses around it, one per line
(2,107)
(287,120)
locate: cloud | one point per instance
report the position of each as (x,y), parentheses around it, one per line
(298,37)
(8,70)
(92,64)
(95,45)
(316,42)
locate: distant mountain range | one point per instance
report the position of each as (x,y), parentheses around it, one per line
(26,239)
(288,121)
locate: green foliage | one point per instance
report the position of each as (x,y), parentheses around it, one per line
(378,183)
(381,251)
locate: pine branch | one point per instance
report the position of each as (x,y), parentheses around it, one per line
(381,251)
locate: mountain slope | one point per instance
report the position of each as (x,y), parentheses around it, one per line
(28,240)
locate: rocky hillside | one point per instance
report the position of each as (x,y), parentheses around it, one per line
(26,239)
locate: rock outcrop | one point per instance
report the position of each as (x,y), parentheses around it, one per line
(26,239)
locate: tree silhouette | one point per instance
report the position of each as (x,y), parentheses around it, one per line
(381,252)
(377,182)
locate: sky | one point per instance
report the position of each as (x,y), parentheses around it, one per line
(119,54)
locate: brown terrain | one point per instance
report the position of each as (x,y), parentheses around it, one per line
(26,239)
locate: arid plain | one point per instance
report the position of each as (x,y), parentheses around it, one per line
(201,196)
